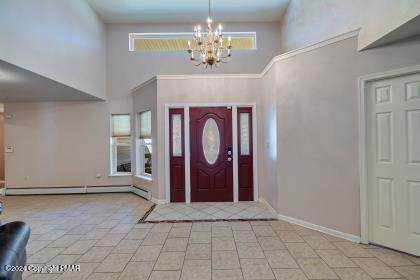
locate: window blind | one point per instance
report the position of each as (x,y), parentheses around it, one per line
(121,125)
(145,125)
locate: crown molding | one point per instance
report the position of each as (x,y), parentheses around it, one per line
(275,59)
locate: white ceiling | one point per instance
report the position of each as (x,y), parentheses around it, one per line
(185,11)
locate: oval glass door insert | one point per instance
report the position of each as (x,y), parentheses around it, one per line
(211,141)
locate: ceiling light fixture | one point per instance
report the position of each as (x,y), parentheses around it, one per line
(210,47)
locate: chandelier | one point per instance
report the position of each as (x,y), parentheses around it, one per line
(210,46)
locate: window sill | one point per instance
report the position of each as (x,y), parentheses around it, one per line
(120,175)
(147,178)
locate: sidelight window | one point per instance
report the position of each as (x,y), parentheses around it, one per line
(120,144)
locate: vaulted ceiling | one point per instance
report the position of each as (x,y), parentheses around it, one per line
(171,11)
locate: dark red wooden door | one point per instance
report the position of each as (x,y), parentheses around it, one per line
(211,154)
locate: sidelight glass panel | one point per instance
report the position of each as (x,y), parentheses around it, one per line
(211,141)
(244,130)
(176,135)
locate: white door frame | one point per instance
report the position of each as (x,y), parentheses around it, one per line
(364,202)
(234,106)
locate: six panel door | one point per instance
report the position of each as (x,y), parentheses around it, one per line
(393,134)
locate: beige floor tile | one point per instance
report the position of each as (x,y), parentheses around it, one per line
(110,239)
(280,259)
(289,274)
(127,246)
(318,242)
(271,243)
(175,245)
(114,263)
(170,261)
(165,275)
(390,257)
(201,227)
(42,276)
(179,232)
(163,227)
(224,260)
(147,253)
(244,236)
(263,231)
(249,251)
(122,228)
(51,235)
(199,251)
(375,268)
(409,272)
(137,271)
(63,259)
(137,233)
(35,246)
(256,269)
(65,240)
(335,258)
(223,244)
(155,238)
(44,255)
(222,231)
(301,250)
(200,237)
(241,226)
(79,247)
(95,254)
(414,259)
(352,274)
(352,250)
(103,276)
(289,236)
(196,270)
(227,274)
(315,268)
(97,233)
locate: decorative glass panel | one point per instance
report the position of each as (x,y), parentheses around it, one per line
(244,130)
(211,141)
(176,135)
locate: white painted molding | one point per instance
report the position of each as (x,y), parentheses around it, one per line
(280,57)
(363,80)
(146,194)
(333,232)
(265,202)
(67,190)
(159,201)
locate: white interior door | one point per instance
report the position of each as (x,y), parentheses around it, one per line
(393,150)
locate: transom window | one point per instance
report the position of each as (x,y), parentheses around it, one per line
(163,42)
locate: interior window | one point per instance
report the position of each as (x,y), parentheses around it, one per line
(121,144)
(144,144)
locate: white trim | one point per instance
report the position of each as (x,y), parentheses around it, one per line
(363,80)
(146,178)
(121,174)
(287,55)
(265,202)
(186,107)
(187,154)
(141,192)
(234,110)
(333,232)
(67,190)
(159,201)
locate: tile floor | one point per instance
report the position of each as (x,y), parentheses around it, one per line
(100,233)
(210,211)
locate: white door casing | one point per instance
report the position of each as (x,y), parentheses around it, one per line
(393,162)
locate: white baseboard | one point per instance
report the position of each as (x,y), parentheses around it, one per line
(141,192)
(272,210)
(159,201)
(333,232)
(67,190)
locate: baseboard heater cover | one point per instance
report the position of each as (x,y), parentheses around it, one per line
(142,192)
(68,190)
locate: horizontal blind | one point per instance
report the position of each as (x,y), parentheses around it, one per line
(121,125)
(145,123)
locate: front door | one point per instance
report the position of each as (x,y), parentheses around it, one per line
(211,154)
(393,130)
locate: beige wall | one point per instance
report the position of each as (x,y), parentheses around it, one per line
(59,144)
(317,129)
(307,22)
(59,39)
(145,99)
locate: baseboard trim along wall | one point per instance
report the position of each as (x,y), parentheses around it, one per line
(141,192)
(68,190)
(333,232)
